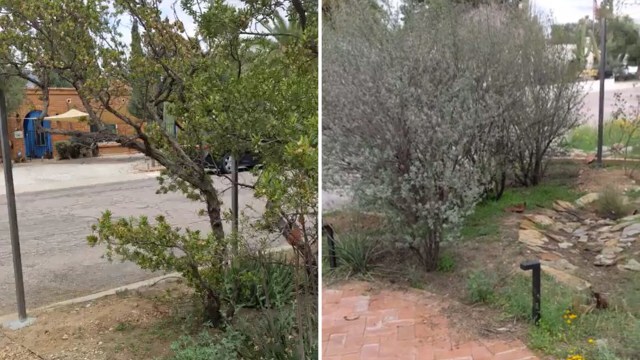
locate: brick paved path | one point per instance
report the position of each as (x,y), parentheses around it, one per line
(399,325)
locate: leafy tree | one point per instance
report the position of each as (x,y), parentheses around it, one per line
(13,87)
(227,94)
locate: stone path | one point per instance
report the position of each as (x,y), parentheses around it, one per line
(400,325)
(571,231)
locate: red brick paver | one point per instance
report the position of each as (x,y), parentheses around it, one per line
(399,325)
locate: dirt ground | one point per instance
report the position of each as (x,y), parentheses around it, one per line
(500,255)
(130,325)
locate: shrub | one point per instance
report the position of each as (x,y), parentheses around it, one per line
(357,253)
(422,141)
(206,347)
(63,149)
(161,247)
(276,335)
(74,150)
(612,204)
(272,334)
(259,282)
(480,287)
(446,263)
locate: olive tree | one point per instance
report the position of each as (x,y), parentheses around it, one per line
(422,118)
(550,100)
(397,113)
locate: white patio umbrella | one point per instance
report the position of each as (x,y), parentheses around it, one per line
(72,115)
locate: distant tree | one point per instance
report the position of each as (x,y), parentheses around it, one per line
(13,87)
(138,98)
(56,81)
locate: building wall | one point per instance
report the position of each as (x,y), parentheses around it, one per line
(62,100)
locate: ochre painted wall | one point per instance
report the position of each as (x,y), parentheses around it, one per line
(62,100)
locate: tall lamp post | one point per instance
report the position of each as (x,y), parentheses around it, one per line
(603,60)
(13,218)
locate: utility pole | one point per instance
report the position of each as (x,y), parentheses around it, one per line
(13,217)
(234,202)
(603,60)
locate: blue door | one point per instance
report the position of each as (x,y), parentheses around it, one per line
(37,144)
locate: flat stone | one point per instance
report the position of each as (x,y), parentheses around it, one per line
(532,237)
(587,199)
(605,222)
(605,259)
(611,243)
(561,205)
(572,225)
(549,257)
(632,265)
(528,225)
(631,218)
(556,236)
(630,231)
(541,220)
(560,264)
(580,231)
(628,240)
(583,239)
(566,278)
(602,237)
(593,247)
(565,245)
(605,229)
(621,226)
(611,250)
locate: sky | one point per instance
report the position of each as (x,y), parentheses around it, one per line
(567,11)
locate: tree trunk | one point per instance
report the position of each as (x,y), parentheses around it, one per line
(213,212)
(431,251)
(501,185)
(212,312)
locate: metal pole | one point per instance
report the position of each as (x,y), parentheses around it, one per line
(234,202)
(333,261)
(603,60)
(11,205)
(534,266)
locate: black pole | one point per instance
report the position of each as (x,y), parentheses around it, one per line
(534,266)
(603,60)
(11,205)
(333,261)
(234,202)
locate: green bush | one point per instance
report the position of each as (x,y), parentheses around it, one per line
(206,347)
(74,150)
(259,282)
(63,147)
(270,334)
(446,263)
(276,335)
(357,253)
(611,204)
(480,287)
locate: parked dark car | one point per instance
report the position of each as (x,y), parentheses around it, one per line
(223,164)
(608,74)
